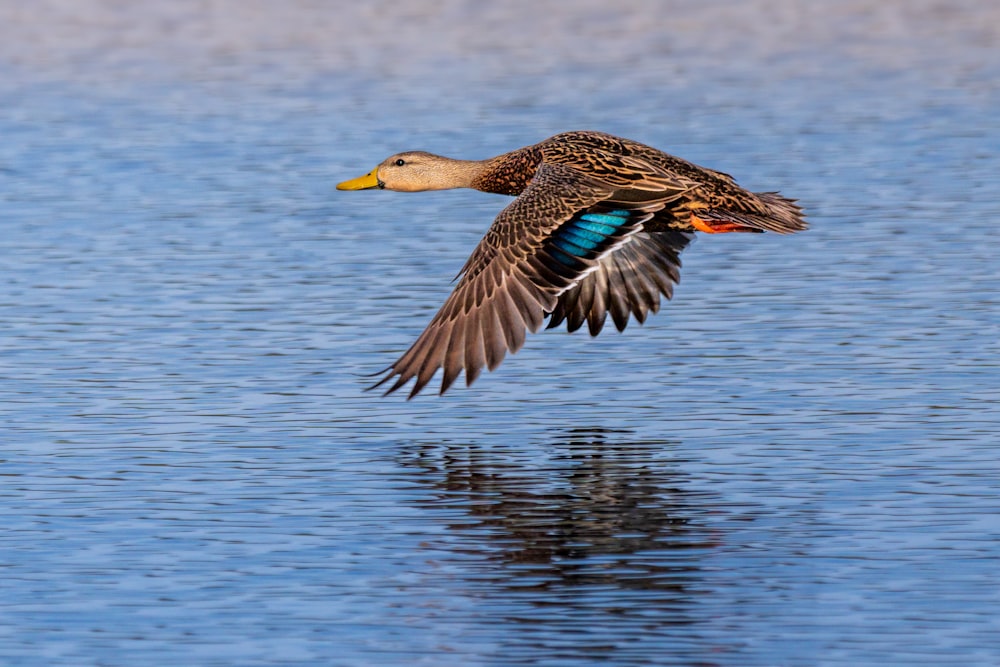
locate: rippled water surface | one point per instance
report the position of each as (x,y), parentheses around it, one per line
(794,463)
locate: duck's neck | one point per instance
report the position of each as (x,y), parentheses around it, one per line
(454,173)
(507,174)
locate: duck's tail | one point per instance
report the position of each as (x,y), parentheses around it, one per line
(786,217)
(780,215)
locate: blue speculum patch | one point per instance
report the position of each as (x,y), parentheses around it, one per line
(581,236)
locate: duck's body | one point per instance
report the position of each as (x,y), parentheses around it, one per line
(597,227)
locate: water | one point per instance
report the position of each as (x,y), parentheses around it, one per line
(793,463)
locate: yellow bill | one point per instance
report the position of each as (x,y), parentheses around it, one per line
(369,180)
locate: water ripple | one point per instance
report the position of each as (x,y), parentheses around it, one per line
(794,462)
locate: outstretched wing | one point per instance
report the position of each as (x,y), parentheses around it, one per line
(542,244)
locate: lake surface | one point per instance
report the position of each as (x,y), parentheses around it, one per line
(794,463)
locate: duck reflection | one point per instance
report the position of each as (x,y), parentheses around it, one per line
(595,519)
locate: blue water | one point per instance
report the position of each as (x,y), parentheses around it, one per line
(793,463)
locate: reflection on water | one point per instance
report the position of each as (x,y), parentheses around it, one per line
(567,546)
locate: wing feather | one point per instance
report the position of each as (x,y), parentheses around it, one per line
(628,281)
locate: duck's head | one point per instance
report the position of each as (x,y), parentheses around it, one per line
(414,171)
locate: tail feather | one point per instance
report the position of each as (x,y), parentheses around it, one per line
(785,216)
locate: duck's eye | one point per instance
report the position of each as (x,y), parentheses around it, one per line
(400,162)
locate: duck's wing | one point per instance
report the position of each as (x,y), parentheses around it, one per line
(542,244)
(628,281)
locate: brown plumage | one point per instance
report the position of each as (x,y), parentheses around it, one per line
(597,227)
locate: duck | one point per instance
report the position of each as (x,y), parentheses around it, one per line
(596,228)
